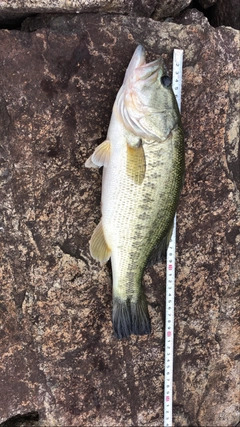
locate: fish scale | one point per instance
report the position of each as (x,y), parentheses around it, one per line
(148,221)
(143,167)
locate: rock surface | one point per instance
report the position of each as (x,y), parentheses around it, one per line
(226,13)
(167,8)
(11,10)
(58,356)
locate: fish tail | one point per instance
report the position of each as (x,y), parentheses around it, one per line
(130,317)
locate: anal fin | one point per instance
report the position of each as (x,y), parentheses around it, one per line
(98,246)
(100,156)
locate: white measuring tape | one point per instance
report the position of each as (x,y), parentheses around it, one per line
(170,273)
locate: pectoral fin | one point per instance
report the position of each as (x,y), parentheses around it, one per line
(98,246)
(136,163)
(100,157)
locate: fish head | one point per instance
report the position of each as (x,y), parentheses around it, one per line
(146,103)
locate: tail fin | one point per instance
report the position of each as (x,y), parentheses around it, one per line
(131,317)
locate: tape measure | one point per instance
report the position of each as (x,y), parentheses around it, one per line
(170,270)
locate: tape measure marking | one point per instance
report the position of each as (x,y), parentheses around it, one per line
(170,270)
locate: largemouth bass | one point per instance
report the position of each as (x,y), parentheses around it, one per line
(143,168)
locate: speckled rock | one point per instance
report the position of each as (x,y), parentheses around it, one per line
(168,8)
(13,10)
(58,358)
(190,17)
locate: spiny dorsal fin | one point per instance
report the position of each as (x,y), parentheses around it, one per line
(100,157)
(98,246)
(136,163)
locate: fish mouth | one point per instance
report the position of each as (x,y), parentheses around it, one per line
(138,60)
(138,69)
(131,105)
(148,72)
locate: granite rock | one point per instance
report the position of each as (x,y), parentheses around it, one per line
(191,16)
(169,8)
(58,358)
(11,11)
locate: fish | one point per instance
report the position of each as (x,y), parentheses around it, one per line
(143,173)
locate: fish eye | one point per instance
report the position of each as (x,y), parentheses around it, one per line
(166,81)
